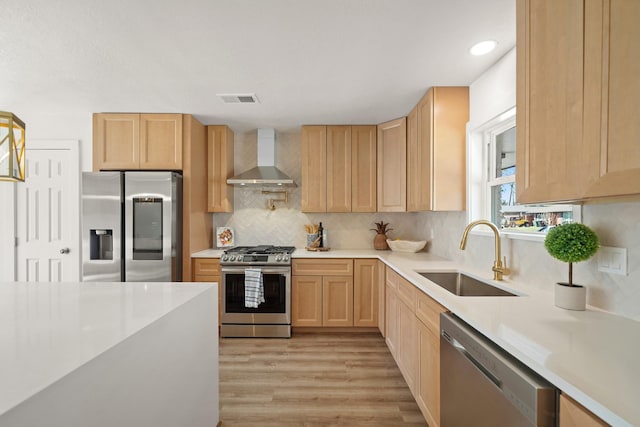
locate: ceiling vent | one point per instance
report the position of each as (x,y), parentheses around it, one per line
(238,98)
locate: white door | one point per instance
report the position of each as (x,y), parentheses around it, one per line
(48,213)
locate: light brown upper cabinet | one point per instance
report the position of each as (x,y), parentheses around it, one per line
(338,168)
(392,166)
(314,168)
(436,162)
(220,168)
(363,168)
(577,99)
(137,141)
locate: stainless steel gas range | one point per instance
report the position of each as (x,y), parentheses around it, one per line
(272,318)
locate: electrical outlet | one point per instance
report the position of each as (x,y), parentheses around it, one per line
(612,260)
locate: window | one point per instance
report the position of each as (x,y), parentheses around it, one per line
(492,174)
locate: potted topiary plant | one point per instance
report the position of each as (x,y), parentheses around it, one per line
(571,243)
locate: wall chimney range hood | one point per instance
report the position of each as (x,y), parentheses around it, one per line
(266,173)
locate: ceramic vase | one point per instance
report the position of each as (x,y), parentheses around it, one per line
(380,242)
(570,297)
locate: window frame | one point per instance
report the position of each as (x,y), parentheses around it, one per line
(481,165)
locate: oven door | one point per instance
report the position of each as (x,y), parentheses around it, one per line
(277,294)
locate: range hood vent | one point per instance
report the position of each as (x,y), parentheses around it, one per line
(266,173)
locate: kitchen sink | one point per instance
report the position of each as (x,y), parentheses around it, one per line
(465,286)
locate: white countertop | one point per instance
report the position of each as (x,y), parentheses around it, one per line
(208,253)
(48,330)
(591,355)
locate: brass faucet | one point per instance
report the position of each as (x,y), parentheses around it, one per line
(499,269)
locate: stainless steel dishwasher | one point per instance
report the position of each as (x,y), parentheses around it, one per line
(482,385)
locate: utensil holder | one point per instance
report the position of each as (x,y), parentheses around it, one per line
(311,240)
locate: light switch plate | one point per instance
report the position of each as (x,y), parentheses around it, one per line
(612,260)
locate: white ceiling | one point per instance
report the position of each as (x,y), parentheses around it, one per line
(322,61)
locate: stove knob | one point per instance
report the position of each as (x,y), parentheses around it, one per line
(232,258)
(285,258)
(278,258)
(224,258)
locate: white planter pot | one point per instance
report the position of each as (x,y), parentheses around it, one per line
(570,297)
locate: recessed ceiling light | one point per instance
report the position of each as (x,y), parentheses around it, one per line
(483,48)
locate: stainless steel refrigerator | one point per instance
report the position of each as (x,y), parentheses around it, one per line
(131,227)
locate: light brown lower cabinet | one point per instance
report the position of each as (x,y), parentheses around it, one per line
(381,298)
(306,301)
(391,311)
(322,301)
(412,321)
(401,325)
(365,292)
(208,270)
(337,301)
(408,350)
(334,293)
(572,414)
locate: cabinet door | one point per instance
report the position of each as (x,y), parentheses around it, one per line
(445,153)
(612,95)
(365,292)
(414,184)
(381,298)
(306,301)
(337,301)
(408,344)
(572,414)
(161,141)
(552,162)
(391,320)
(428,383)
(436,165)
(220,168)
(116,143)
(338,168)
(314,168)
(392,166)
(363,168)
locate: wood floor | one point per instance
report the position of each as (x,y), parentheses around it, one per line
(313,380)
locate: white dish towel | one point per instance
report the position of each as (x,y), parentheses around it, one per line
(253,288)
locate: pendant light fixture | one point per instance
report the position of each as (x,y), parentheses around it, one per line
(12,134)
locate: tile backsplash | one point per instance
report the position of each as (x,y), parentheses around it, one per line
(615,224)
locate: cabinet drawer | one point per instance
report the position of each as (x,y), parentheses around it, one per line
(323,267)
(428,312)
(206,266)
(407,293)
(392,278)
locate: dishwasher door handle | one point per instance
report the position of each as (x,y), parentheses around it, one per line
(463,351)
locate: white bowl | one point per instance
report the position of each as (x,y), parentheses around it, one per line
(406,245)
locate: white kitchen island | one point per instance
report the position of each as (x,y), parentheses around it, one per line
(108,354)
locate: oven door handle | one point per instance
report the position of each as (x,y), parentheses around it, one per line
(267,270)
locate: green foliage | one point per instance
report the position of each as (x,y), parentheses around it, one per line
(571,242)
